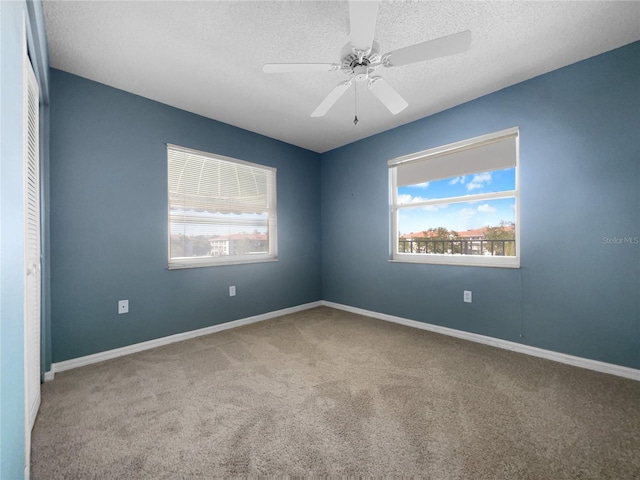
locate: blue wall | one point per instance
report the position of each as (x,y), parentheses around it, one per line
(580,182)
(109,223)
(580,173)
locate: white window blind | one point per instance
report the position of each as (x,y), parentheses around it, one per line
(462,158)
(221,210)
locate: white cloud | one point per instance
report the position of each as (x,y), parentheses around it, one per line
(479,181)
(467,212)
(405,199)
(421,185)
(433,208)
(457,180)
(486,208)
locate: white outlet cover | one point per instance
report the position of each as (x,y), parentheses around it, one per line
(467,296)
(232,291)
(123,306)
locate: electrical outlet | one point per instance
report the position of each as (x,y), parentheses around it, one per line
(232,291)
(467,296)
(123,306)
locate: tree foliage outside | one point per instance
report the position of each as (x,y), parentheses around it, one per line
(444,241)
(190,246)
(432,240)
(504,231)
(245,246)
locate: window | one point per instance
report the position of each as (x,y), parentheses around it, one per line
(458,204)
(221,210)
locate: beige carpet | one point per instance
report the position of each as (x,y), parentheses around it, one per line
(324,392)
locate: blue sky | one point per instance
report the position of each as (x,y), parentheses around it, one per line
(458,216)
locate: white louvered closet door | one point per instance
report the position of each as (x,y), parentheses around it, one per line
(32,246)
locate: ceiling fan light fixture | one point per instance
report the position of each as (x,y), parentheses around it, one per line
(361,72)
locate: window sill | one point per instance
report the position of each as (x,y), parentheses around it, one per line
(200,264)
(459,260)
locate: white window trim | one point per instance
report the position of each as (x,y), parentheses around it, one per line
(455,259)
(198,262)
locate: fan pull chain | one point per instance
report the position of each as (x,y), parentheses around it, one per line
(355,103)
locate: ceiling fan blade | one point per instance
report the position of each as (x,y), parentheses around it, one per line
(332,98)
(440,47)
(362,18)
(387,95)
(299,67)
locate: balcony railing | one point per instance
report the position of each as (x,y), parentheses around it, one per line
(458,246)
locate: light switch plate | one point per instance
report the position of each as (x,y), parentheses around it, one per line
(467,296)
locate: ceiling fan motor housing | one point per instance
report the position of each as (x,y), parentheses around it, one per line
(359,64)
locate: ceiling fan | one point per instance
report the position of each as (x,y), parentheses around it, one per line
(361,57)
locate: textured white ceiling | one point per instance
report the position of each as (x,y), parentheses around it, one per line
(207,57)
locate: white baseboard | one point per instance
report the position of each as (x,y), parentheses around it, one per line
(595,365)
(158,342)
